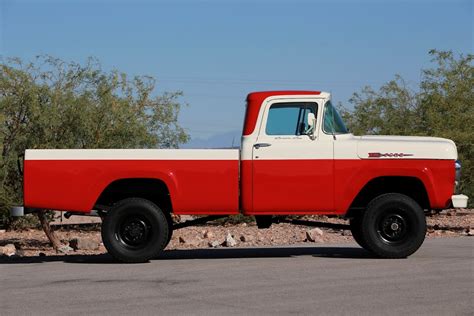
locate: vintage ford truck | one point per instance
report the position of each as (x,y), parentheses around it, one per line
(296,158)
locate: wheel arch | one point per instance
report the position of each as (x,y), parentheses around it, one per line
(410,186)
(153,189)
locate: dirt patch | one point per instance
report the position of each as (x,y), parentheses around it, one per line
(450,223)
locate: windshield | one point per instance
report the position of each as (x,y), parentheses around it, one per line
(333,123)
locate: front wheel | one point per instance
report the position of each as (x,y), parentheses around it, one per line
(393,226)
(135,230)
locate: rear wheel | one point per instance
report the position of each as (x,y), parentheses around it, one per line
(135,230)
(394,226)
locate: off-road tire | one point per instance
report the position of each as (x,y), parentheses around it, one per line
(135,230)
(393,226)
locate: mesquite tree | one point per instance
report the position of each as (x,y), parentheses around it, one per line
(50,103)
(443,105)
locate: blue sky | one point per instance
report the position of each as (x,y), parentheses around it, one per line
(218,51)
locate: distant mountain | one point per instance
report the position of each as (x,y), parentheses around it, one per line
(223,140)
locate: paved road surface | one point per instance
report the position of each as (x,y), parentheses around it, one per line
(329,279)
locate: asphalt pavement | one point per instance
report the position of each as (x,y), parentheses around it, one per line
(327,279)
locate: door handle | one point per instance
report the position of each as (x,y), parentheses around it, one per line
(257,146)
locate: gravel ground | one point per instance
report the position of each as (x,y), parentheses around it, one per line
(450,223)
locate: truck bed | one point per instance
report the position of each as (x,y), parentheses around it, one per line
(200,181)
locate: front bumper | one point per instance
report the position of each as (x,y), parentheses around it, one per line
(459,200)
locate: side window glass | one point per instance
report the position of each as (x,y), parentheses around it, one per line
(289,118)
(328,119)
(332,121)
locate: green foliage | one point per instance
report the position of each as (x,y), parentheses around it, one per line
(443,106)
(53,104)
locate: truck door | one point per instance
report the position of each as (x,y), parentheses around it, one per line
(292,172)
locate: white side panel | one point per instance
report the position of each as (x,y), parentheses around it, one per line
(348,146)
(294,148)
(406,147)
(132,154)
(345,147)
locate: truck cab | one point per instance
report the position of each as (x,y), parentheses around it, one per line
(298,157)
(287,153)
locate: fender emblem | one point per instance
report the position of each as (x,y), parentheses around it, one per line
(394,155)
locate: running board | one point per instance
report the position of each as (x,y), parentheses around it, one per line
(198,221)
(275,220)
(300,222)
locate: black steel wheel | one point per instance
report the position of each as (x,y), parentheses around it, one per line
(135,230)
(356,230)
(393,226)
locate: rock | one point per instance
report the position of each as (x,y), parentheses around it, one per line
(346,233)
(193,242)
(317,231)
(301,236)
(175,218)
(65,249)
(8,250)
(185,218)
(229,241)
(314,235)
(244,225)
(42,254)
(83,244)
(208,234)
(214,244)
(470,232)
(2,231)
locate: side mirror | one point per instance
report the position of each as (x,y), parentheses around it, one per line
(311,120)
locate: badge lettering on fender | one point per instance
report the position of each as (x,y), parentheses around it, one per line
(391,155)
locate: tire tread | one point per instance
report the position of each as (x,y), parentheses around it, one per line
(373,245)
(108,229)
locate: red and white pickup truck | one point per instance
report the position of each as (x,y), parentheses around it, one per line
(296,158)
